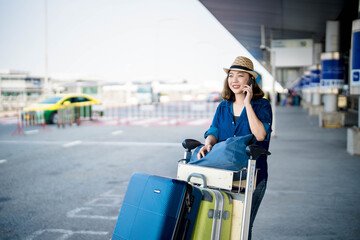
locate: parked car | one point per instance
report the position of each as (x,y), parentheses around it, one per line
(214,97)
(51,105)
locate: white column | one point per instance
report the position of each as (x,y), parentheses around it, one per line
(308,96)
(316,99)
(273,94)
(317,53)
(330,102)
(359,114)
(315,74)
(332,42)
(1,98)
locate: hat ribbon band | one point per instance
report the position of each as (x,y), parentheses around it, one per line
(240,67)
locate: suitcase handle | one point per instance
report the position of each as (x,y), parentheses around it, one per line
(198,175)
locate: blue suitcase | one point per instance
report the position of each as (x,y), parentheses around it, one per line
(157,208)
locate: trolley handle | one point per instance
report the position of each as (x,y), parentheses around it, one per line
(198,175)
(254,151)
(190,144)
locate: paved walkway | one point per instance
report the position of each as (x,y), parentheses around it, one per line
(313,189)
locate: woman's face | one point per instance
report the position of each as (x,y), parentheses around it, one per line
(237,80)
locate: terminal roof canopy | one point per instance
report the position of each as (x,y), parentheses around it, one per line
(283,19)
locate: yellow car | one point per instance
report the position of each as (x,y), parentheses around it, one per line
(51,105)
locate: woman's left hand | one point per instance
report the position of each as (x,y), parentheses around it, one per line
(249,93)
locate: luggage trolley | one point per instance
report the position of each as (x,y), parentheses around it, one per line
(241,190)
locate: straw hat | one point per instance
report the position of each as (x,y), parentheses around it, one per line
(242,64)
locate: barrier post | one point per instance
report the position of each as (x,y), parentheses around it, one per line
(77,115)
(18,130)
(32,120)
(43,125)
(61,117)
(177,113)
(162,111)
(73,119)
(88,111)
(69,113)
(118,110)
(81,115)
(127,115)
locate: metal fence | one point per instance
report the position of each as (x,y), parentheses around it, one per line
(172,113)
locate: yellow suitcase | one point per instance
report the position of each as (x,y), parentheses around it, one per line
(214,216)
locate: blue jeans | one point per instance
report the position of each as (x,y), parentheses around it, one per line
(256,200)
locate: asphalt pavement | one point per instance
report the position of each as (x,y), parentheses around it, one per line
(312,188)
(69,183)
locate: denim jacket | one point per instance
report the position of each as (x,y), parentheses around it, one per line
(223,126)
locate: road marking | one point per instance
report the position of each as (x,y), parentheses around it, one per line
(29,132)
(3,161)
(144,144)
(75,214)
(93,143)
(66,234)
(199,122)
(105,202)
(70,144)
(31,142)
(108,199)
(113,193)
(153,121)
(117,132)
(145,121)
(168,122)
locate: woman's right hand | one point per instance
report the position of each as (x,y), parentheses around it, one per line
(205,149)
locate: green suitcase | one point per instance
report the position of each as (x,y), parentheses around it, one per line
(214,216)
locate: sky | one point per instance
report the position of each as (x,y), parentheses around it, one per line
(118,40)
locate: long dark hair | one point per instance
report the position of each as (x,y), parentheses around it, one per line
(228,95)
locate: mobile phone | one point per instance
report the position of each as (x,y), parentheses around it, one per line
(250,82)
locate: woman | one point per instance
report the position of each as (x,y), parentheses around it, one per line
(244,111)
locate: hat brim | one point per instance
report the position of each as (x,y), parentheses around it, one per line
(254,74)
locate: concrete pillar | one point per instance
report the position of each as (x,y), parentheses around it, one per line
(329,61)
(332,78)
(316,108)
(355,60)
(316,99)
(353,134)
(306,102)
(330,101)
(332,43)
(317,53)
(1,97)
(308,96)
(307,90)
(353,141)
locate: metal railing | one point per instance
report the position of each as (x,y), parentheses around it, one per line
(171,113)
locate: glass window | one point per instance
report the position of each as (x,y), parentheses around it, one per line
(82,99)
(51,100)
(90,90)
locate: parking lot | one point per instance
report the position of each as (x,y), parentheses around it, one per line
(68,183)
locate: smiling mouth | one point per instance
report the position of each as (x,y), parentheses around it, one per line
(236,86)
